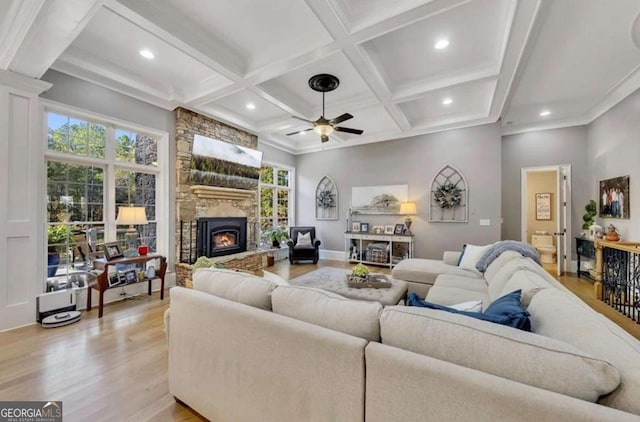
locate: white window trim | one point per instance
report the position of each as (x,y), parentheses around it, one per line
(291,188)
(161,171)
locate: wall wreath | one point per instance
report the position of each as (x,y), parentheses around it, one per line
(448,195)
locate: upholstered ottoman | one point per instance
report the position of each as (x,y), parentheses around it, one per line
(387,296)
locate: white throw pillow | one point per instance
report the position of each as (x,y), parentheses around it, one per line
(275,278)
(471,256)
(304,239)
(472,306)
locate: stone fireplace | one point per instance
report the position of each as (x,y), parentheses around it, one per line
(198,203)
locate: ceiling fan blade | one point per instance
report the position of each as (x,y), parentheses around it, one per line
(341,118)
(299,131)
(348,130)
(303,119)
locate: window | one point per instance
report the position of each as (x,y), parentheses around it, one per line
(276,197)
(92,169)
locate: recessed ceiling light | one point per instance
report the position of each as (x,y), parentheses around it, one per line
(251,106)
(441,44)
(147,54)
(544,113)
(447,101)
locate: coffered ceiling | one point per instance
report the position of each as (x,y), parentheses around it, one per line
(247,62)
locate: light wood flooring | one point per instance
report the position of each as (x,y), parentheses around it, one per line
(115,368)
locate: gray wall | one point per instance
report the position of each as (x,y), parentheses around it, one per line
(537,149)
(614,150)
(276,156)
(414,161)
(87,96)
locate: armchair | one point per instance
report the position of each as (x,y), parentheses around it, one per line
(303,252)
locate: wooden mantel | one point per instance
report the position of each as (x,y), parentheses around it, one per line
(213,192)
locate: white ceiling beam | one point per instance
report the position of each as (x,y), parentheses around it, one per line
(55,27)
(15,26)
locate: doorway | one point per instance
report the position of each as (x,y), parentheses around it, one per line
(545,213)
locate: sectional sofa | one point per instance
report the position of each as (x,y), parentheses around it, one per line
(246,348)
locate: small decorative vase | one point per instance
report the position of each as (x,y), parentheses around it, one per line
(612,235)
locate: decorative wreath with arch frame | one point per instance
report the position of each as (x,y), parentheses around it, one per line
(326,200)
(449,196)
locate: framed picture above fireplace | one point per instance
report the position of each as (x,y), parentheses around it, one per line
(222,164)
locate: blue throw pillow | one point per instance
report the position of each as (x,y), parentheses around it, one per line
(509,304)
(461,255)
(511,317)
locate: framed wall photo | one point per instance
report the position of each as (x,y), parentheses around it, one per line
(112,250)
(543,206)
(355,226)
(614,198)
(388,229)
(364,227)
(399,229)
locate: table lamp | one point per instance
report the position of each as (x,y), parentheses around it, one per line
(131,216)
(408,209)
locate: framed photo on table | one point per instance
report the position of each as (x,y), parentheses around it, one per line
(543,206)
(388,229)
(112,250)
(355,226)
(364,227)
(399,229)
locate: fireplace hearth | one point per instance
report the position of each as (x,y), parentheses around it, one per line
(219,236)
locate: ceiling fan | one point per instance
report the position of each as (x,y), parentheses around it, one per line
(325,127)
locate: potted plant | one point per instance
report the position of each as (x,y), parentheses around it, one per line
(56,236)
(276,235)
(591,211)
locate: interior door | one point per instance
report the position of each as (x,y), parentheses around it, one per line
(562,213)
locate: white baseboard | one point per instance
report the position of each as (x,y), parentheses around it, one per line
(331,255)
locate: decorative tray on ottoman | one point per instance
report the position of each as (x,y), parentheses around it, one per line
(372,281)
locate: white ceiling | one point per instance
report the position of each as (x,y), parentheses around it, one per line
(506,59)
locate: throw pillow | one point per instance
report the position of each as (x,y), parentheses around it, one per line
(304,239)
(503,313)
(509,305)
(471,256)
(471,306)
(464,248)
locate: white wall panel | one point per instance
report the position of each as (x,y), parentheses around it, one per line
(18,284)
(18,153)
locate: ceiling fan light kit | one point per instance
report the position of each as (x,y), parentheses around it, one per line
(324,127)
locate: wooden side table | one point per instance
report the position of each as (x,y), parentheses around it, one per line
(101,283)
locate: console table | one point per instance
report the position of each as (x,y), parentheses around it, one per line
(101,283)
(363,239)
(585,248)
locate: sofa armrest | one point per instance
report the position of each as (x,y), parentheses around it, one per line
(167,322)
(316,243)
(400,384)
(290,244)
(451,257)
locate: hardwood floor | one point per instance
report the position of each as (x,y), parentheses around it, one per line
(115,368)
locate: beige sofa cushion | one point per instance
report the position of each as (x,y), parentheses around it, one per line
(500,279)
(452,295)
(330,310)
(499,262)
(524,280)
(236,286)
(426,270)
(468,283)
(503,351)
(564,317)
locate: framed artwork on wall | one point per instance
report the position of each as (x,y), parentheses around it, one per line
(614,198)
(378,199)
(543,206)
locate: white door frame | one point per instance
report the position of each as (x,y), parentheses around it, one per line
(562,169)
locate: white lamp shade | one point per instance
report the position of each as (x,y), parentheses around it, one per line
(408,208)
(131,216)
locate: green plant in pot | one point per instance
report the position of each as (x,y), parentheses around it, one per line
(276,235)
(588,217)
(57,235)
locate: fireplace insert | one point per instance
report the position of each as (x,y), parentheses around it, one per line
(218,236)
